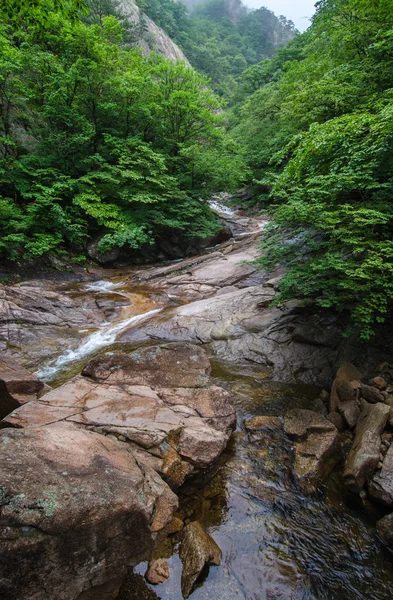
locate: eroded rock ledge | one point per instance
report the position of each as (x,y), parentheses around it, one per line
(87,469)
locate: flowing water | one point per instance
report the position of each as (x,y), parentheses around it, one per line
(277,544)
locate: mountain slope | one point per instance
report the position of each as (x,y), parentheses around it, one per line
(221,38)
(151,36)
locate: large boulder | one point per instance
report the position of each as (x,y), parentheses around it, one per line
(363,457)
(175,430)
(316,446)
(76,510)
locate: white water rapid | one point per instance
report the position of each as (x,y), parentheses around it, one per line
(105,336)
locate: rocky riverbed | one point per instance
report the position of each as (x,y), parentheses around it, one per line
(118,457)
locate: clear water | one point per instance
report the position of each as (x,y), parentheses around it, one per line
(277,544)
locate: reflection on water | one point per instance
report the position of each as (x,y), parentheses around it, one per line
(277,544)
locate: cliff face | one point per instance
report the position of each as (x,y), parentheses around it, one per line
(151,38)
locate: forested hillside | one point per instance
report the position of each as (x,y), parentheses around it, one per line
(221,38)
(317,122)
(96,139)
(99,140)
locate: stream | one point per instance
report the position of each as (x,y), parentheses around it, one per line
(277,544)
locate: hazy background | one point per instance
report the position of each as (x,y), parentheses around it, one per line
(299,12)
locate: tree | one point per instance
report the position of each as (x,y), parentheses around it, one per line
(38,11)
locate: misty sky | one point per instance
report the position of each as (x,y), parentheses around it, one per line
(299,11)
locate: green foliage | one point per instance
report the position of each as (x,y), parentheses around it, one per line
(97,139)
(318,125)
(37,12)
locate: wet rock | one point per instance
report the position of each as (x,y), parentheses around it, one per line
(17,386)
(363,457)
(134,587)
(371,394)
(316,446)
(175,526)
(76,510)
(381,485)
(385,528)
(197,550)
(158,572)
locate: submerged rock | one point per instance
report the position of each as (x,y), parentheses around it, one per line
(316,446)
(76,510)
(363,457)
(197,550)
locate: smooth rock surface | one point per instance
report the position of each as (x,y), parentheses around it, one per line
(363,457)
(240,327)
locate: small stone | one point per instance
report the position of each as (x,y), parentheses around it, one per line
(121,438)
(175,526)
(324,396)
(371,394)
(158,572)
(379,382)
(337,420)
(380,465)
